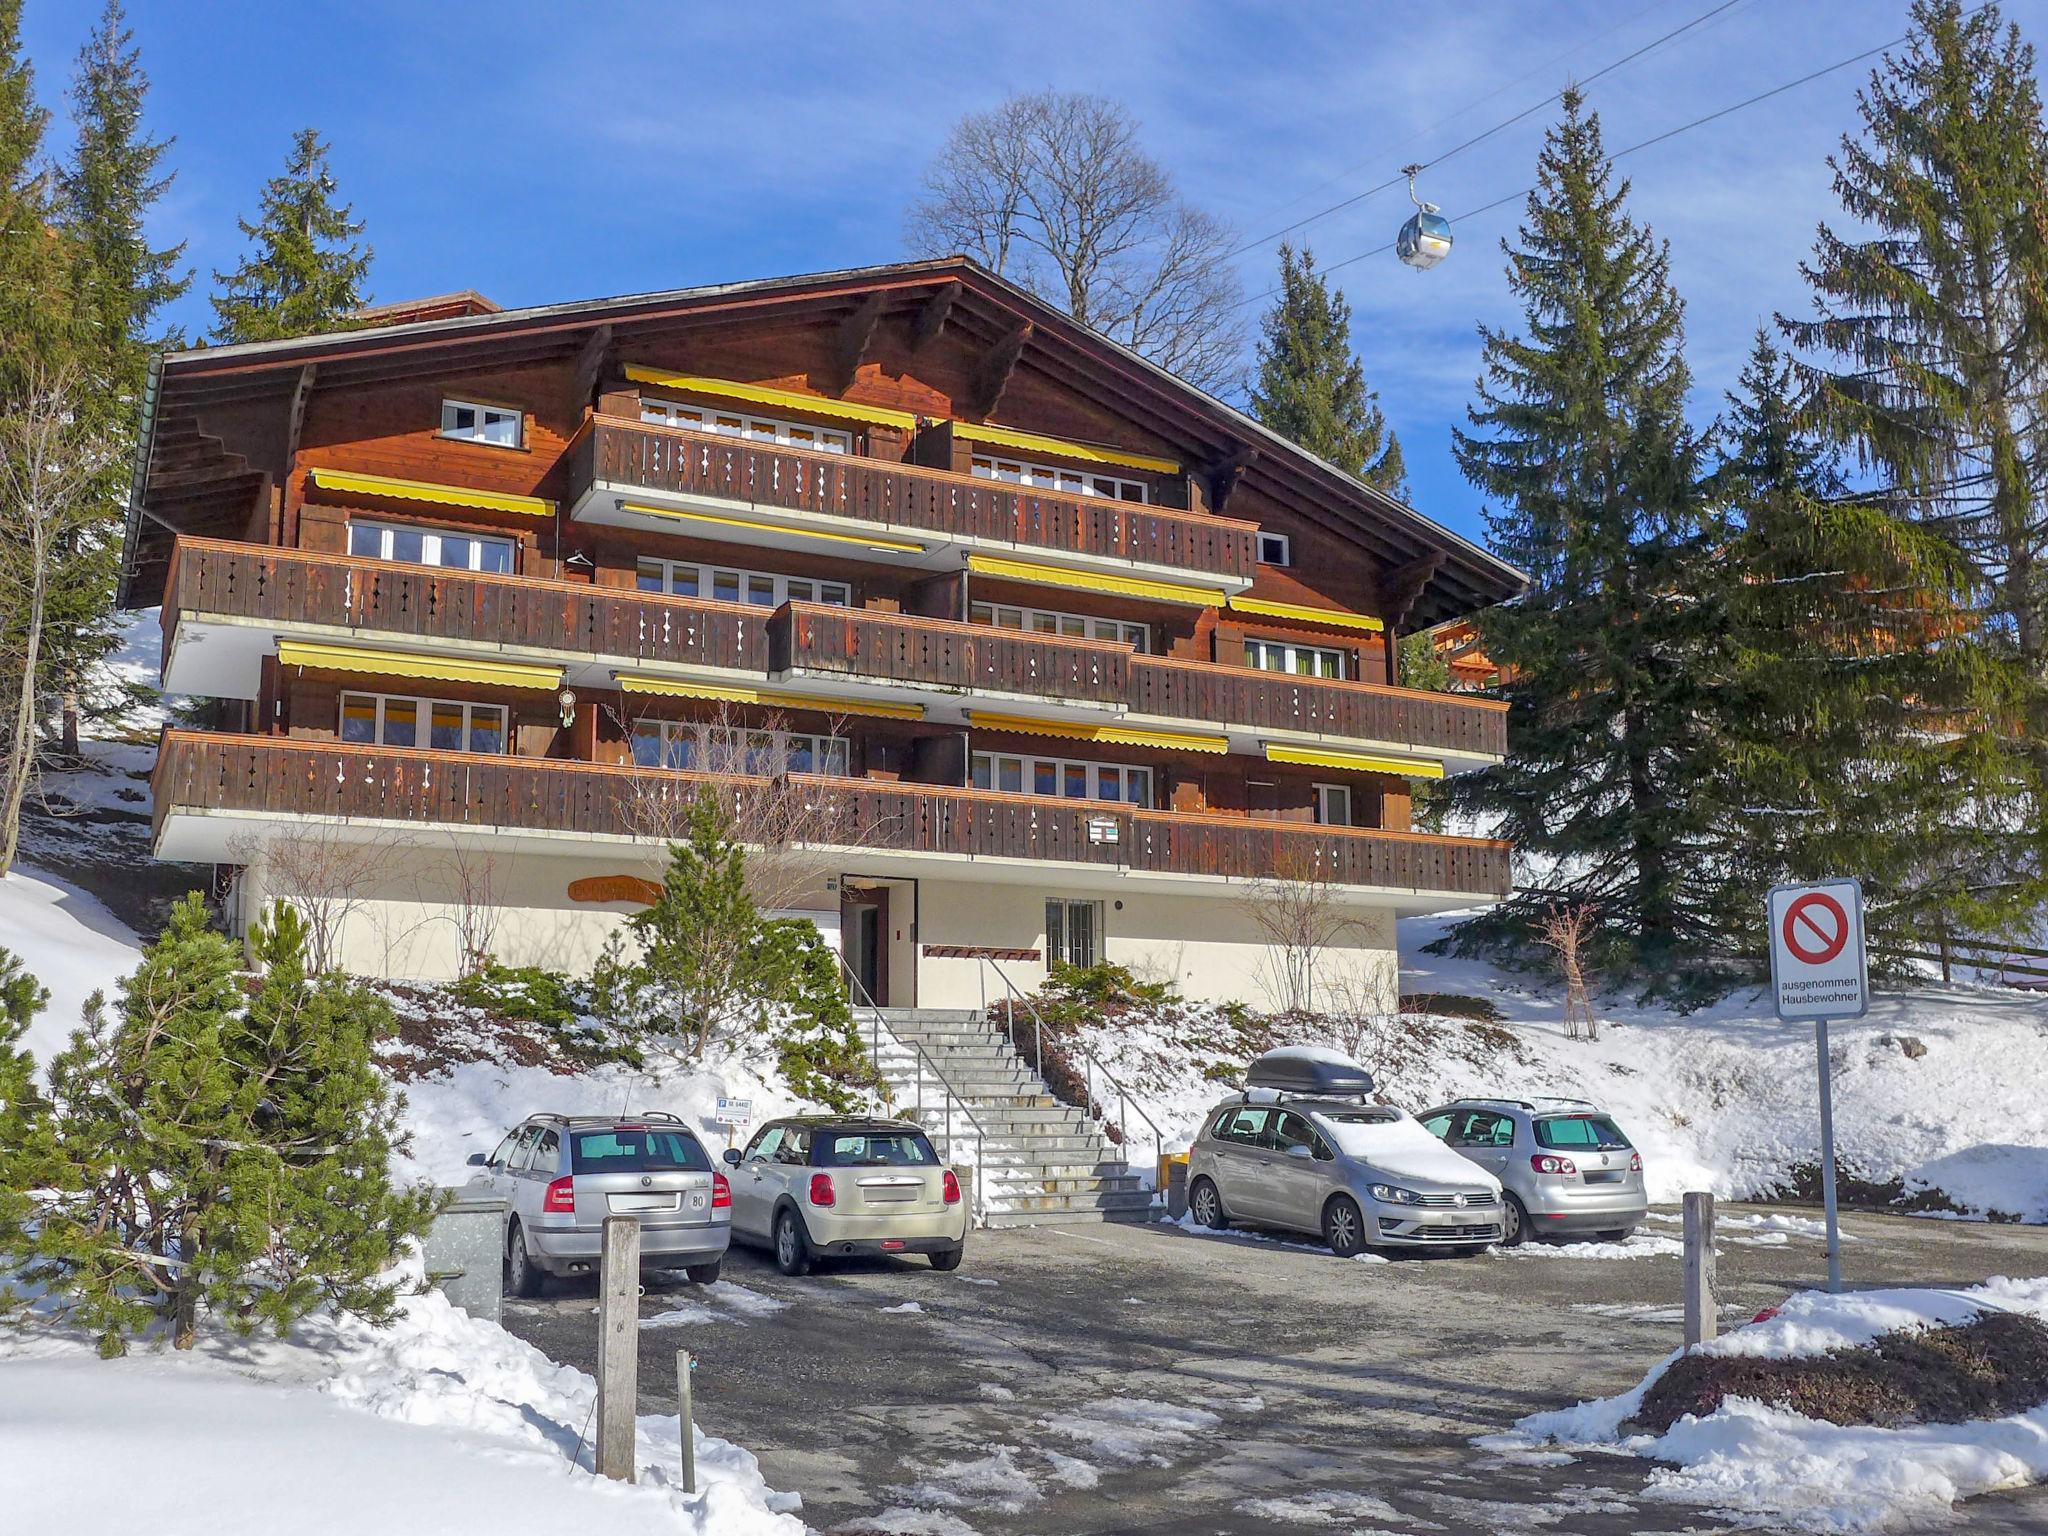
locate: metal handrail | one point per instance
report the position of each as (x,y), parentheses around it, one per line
(924,1062)
(1092,1066)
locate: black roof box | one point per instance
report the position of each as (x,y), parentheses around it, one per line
(1309,1069)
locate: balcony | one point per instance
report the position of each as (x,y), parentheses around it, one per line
(216,794)
(697,483)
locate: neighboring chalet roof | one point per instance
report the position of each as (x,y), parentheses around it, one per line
(441,306)
(185,477)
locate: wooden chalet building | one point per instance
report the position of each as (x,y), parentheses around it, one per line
(1069,651)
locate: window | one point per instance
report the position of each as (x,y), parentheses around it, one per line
(522,1151)
(1333,805)
(1483,1128)
(1438,1126)
(1069,482)
(796,1146)
(757,429)
(1291,1130)
(1285,656)
(684,744)
(426,546)
(1073,933)
(446,725)
(498,425)
(547,1153)
(883,1149)
(1241,1124)
(764,589)
(1047,621)
(1062,779)
(638,1149)
(765,1144)
(1567,1131)
(1275,549)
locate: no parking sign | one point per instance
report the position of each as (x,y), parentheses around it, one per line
(1817,963)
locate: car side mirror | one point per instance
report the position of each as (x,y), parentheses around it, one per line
(731,1155)
(1299,1151)
(479,1160)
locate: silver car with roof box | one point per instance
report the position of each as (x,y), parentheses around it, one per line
(1303,1148)
(1566,1165)
(560,1176)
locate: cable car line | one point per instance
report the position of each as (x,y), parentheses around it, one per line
(1481,137)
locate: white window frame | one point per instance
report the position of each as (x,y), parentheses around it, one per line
(1059,918)
(423,720)
(486,417)
(1068,482)
(984,773)
(731,745)
(721,422)
(1289,654)
(774,588)
(1333,805)
(1279,541)
(430,546)
(1053,621)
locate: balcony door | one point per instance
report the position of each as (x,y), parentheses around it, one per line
(864,933)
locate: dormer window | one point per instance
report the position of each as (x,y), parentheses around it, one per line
(498,425)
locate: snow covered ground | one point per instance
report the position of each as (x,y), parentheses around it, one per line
(1825,1477)
(71,944)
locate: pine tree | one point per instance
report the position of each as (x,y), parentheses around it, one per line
(1310,387)
(23,1111)
(1928,353)
(1851,708)
(37,321)
(307,270)
(114,178)
(1581,446)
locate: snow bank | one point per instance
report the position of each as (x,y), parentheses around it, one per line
(1749,1457)
(69,942)
(441,1423)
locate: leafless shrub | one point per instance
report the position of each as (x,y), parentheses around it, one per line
(1564,931)
(326,873)
(1300,915)
(474,878)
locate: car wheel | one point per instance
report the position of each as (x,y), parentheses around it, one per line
(792,1249)
(1206,1205)
(704,1274)
(523,1277)
(949,1260)
(1514,1223)
(1344,1227)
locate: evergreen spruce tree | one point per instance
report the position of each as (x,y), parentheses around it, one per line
(37,321)
(1309,386)
(307,269)
(1581,446)
(1928,353)
(24,1115)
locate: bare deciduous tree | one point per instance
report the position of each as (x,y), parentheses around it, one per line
(1564,931)
(50,471)
(325,873)
(1299,914)
(473,881)
(1054,191)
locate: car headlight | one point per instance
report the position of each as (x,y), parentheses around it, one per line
(1393,1194)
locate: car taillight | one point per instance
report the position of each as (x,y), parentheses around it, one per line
(1635,1162)
(721,1192)
(952,1186)
(1545,1164)
(821,1190)
(561,1197)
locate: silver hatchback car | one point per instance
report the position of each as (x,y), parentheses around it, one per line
(1320,1158)
(1566,1166)
(560,1176)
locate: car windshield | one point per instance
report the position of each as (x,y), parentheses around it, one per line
(1595,1131)
(873,1149)
(637,1149)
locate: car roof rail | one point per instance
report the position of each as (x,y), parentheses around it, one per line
(1511,1103)
(1298,1096)
(1558,1098)
(653,1114)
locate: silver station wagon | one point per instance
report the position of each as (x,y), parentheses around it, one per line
(1304,1149)
(560,1176)
(1567,1167)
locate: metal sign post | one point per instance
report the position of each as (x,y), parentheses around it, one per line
(1819,972)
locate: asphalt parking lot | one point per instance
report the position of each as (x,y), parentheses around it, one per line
(1150,1379)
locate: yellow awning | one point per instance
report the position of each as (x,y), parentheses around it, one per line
(1089,581)
(767,394)
(1307,615)
(445,669)
(421,490)
(750,525)
(1355,762)
(725,693)
(1032,442)
(1116,735)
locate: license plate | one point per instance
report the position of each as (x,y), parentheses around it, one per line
(660,1202)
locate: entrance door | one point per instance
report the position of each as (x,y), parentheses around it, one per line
(864,929)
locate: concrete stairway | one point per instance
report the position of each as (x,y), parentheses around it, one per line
(1042,1161)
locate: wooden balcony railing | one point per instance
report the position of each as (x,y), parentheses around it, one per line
(905,496)
(287,586)
(200,772)
(937,653)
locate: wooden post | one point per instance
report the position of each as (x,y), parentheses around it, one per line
(618,1346)
(1702,1311)
(686,1414)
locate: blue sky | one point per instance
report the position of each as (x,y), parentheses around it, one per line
(540,153)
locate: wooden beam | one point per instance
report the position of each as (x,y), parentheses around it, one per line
(850,344)
(301,393)
(590,366)
(1224,474)
(1402,586)
(992,374)
(931,319)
